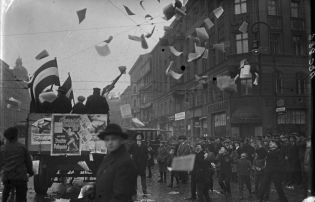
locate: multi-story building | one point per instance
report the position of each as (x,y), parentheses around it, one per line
(275,45)
(12,85)
(141,89)
(114,110)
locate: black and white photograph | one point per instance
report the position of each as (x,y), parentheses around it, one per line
(156,101)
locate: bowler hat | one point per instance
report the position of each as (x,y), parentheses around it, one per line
(112,129)
(81,98)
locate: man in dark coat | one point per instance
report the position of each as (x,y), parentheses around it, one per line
(62,104)
(16,164)
(96,104)
(201,173)
(116,178)
(139,154)
(225,170)
(79,107)
(272,171)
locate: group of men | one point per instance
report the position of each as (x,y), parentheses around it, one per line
(95,104)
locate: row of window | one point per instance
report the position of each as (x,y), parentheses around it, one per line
(219,120)
(240,7)
(297,117)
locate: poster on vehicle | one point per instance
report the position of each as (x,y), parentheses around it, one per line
(71,134)
(65,135)
(40,130)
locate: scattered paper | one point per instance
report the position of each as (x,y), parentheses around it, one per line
(151,33)
(202,33)
(42,55)
(169,11)
(226,83)
(83,165)
(144,43)
(173,192)
(103,50)
(174,51)
(13,103)
(255,83)
(243,27)
(91,157)
(218,12)
(180,11)
(81,14)
(208,23)
(110,38)
(169,67)
(137,122)
(245,72)
(198,53)
(183,163)
(134,38)
(175,75)
(129,12)
(62,200)
(141,4)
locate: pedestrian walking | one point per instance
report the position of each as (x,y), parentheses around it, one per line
(16,166)
(139,154)
(162,161)
(150,162)
(116,178)
(173,174)
(225,170)
(272,171)
(243,172)
(201,173)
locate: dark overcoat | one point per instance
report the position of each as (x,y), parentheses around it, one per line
(61,104)
(140,157)
(116,179)
(96,104)
(79,108)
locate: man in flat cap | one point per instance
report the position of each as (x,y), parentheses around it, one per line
(79,107)
(62,104)
(116,178)
(96,104)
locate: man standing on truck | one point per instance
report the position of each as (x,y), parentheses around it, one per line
(15,163)
(62,104)
(96,104)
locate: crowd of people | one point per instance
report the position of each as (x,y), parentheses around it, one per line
(253,162)
(95,104)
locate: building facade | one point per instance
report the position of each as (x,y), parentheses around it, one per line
(12,85)
(275,46)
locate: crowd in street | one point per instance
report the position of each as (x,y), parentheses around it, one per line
(254,162)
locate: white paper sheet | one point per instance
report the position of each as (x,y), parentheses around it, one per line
(103,50)
(184,163)
(174,51)
(175,75)
(218,12)
(202,33)
(42,55)
(169,67)
(208,23)
(245,72)
(225,83)
(243,27)
(134,38)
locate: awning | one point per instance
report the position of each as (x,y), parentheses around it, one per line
(246,114)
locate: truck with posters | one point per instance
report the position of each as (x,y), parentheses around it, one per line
(64,146)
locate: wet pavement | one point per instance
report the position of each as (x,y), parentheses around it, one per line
(160,192)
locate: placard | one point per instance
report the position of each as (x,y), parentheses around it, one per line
(125,111)
(183,163)
(65,135)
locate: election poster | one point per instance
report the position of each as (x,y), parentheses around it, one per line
(72,134)
(65,135)
(40,130)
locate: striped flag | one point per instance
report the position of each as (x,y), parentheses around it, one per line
(67,85)
(44,76)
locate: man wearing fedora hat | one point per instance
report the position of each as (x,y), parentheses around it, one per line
(116,178)
(62,103)
(79,107)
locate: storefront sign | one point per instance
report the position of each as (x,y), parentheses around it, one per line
(180,116)
(280,109)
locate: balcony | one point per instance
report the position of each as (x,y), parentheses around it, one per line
(274,21)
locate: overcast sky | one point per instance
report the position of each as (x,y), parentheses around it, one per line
(29,26)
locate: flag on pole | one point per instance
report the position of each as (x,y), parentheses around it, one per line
(44,76)
(67,85)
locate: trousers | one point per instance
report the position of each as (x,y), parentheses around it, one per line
(20,188)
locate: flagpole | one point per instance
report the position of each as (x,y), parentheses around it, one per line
(72,90)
